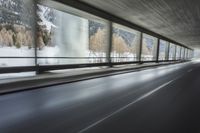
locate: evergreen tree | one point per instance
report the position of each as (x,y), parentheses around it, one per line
(16,12)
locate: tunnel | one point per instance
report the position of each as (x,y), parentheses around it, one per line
(99,66)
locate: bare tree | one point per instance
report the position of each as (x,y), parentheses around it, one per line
(119,46)
(97,43)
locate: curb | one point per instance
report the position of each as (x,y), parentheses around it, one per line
(48,82)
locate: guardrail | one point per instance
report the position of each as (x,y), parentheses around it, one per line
(43,68)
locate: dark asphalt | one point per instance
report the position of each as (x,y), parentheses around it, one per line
(158,100)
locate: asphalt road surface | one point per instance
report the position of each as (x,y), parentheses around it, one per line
(157,100)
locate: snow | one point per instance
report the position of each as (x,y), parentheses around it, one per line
(45,22)
(15,52)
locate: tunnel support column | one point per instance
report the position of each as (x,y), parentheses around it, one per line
(110,29)
(140,49)
(35,30)
(167,52)
(157,51)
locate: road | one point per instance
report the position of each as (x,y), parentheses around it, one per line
(157,100)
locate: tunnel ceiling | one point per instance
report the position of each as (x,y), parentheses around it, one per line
(178,20)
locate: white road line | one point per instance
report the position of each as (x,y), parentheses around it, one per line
(128,105)
(190,70)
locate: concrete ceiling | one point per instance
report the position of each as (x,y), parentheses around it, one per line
(178,20)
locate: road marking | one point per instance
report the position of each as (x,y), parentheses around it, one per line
(128,105)
(190,70)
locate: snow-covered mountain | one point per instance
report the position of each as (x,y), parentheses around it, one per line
(46,16)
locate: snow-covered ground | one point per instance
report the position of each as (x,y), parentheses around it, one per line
(53,52)
(16,52)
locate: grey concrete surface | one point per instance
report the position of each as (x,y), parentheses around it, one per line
(175,19)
